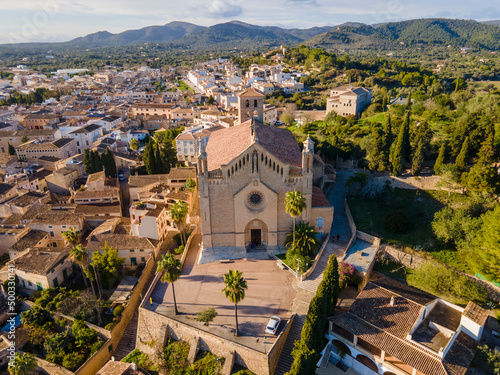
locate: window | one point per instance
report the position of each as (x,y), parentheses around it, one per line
(54,244)
(319,224)
(50,226)
(52,234)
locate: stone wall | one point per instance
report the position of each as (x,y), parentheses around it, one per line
(413,261)
(153,330)
(149,334)
(275,352)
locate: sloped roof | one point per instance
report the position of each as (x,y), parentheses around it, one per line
(372,318)
(251,92)
(226,144)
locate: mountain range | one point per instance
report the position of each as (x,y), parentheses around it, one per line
(236,34)
(430,31)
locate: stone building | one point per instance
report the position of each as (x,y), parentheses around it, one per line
(348,100)
(250,105)
(243,177)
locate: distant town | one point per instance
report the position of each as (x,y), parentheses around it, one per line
(202,220)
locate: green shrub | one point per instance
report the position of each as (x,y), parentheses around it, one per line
(176,357)
(61,322)
(110,326)
(488,360)
(73,361)
(141,360)
(118,310)
(438,279)
(397,221)
(180,249)
(206,315)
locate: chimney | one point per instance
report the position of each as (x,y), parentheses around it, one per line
(392,301)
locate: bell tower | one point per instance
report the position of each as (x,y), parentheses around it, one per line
(250,105)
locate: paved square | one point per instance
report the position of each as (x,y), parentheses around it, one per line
(269,293)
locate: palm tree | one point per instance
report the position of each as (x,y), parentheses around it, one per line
(172,270)
(178,213)
(80,255)
(295,203)
(306,239)
(72,236)
(24,364)
(235,290)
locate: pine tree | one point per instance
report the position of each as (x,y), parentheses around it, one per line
(418,159)
(440,159)
(463,156)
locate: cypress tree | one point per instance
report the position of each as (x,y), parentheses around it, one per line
(149,158)
(12,150)
(398,155)
(440,159)
(87,161)
(418,159)
(109,163)
(158,160)
(331,282)
(487,151)
(463,156)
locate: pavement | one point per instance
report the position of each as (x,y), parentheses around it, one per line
(200,286)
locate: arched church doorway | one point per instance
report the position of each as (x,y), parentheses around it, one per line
(256,235)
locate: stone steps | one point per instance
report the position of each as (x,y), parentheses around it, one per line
(286,359)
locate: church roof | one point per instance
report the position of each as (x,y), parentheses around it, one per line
(251,92)
(226,144)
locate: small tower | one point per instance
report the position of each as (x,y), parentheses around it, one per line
(308,156)
(253,131)
(250,105)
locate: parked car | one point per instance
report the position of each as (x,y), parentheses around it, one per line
(273,325)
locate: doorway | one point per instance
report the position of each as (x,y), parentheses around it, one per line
(255,237)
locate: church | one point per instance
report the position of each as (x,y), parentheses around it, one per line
(244,174)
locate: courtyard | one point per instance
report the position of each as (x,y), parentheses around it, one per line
(200,286)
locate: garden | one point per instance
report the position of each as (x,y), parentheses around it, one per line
(60,341)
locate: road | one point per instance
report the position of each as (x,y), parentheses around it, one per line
(125,193)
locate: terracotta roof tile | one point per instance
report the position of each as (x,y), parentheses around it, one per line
(318,198)
(226,144)
(475,313)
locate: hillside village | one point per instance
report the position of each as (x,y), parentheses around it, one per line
(130,198)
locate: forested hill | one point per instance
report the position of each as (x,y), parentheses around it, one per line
(240,34)
(458,33)
(166,33)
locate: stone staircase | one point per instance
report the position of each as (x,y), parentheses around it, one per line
(326,355)
(127,343)
(286,359)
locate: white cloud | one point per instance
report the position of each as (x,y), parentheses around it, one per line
(224,8)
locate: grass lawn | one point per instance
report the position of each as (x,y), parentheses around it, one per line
(184,87)
(370,215)
(378,117)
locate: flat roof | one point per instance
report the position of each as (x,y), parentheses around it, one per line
(361,255)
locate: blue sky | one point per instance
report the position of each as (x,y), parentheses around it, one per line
(60,20)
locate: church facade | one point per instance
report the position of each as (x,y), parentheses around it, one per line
(243,176)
